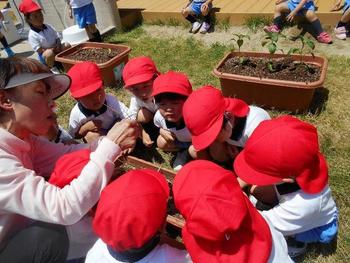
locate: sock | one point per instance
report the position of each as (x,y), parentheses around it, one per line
(340,24)
(317,26)
(96,37)
(277,21)
(4,42)
(191,18)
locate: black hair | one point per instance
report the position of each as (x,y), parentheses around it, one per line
(169,96)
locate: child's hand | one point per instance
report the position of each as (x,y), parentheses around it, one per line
(90,126)
(167,135)
(291,16)
(124,134)
(338,5)
(146,139)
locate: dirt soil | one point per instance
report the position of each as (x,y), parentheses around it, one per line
(223,36)
(281,68)
(97,55)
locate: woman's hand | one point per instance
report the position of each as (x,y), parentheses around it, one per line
(124,134)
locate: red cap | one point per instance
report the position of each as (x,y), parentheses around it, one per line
(69,167)
(203,113)
(281,148)
(139,70)
(132,209)
(28,6)
(221,223)
(172,82)
(86,79)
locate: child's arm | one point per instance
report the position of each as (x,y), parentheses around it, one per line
(338,4)
(90,126)
(292,14)
(205,6)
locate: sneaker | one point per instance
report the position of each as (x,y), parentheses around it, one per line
(340,32)
(9,52)
(295,248)
(180,160)
(55,70)
(204,28)
(272,29)
(324,38)
(195,27)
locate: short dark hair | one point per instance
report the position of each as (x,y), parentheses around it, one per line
(169,96)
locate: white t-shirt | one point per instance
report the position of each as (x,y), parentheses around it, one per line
(45,38)
(255,116)
(298,211)
(80,116)
(182,134)
(79,3)
(136,104)
(279,250)
(160,254)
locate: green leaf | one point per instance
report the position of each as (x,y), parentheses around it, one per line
(264,42)
(274,37)
(310,44)
(293,50)
(240,42)
(272,48)
(270,67)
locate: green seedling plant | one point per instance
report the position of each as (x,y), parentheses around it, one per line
(239,40)
(270,42)
(307,47)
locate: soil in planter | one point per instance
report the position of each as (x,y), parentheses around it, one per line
(281,68)
(97,55)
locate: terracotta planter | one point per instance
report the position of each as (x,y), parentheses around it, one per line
(110,70)
(271,93)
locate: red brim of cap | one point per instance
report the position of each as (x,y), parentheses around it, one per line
(311,181)
(237,107)
(87,90)
(252,244)
(206,138)
(138,79)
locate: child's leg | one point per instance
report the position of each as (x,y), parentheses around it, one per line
(93,33)
(49,57)
(280,10)
(322,36)
(207,19)
(188,14)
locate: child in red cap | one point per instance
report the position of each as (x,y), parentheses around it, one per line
(139,74)
(129,220)
(95,112)
(221,223)
(43,38)
(170,91)
(282,158)
(220,125)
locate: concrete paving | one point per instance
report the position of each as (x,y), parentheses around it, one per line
(21,48)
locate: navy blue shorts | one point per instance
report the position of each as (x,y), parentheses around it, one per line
(85,15)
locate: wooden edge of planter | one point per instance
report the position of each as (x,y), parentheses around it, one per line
(60,57)
(175,221)
(321,61)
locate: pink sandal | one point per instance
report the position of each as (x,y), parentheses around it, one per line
(324,38)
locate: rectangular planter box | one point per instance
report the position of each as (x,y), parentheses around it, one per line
(271,93)
(110,70)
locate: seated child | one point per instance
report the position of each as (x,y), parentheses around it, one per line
(170,91)
(221,223)
(43,38)
(295,8)
(129,219)
(95,112)
(85,16)
(139,74)
(283,155)
(3,40)
(220,125)
(193,10)
(342,27)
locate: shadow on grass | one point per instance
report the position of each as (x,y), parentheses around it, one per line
(318,249)
(318,103)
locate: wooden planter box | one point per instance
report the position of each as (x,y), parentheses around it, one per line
(271,93)
(110,70)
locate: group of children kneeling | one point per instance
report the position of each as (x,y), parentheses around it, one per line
(276,162)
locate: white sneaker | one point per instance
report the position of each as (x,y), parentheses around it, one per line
(204,28)
(340,32)
(195,27)
(55,70)
(180,160)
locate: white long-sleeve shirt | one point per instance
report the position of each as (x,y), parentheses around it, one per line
(26,196)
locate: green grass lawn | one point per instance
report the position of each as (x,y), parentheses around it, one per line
(333,122)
